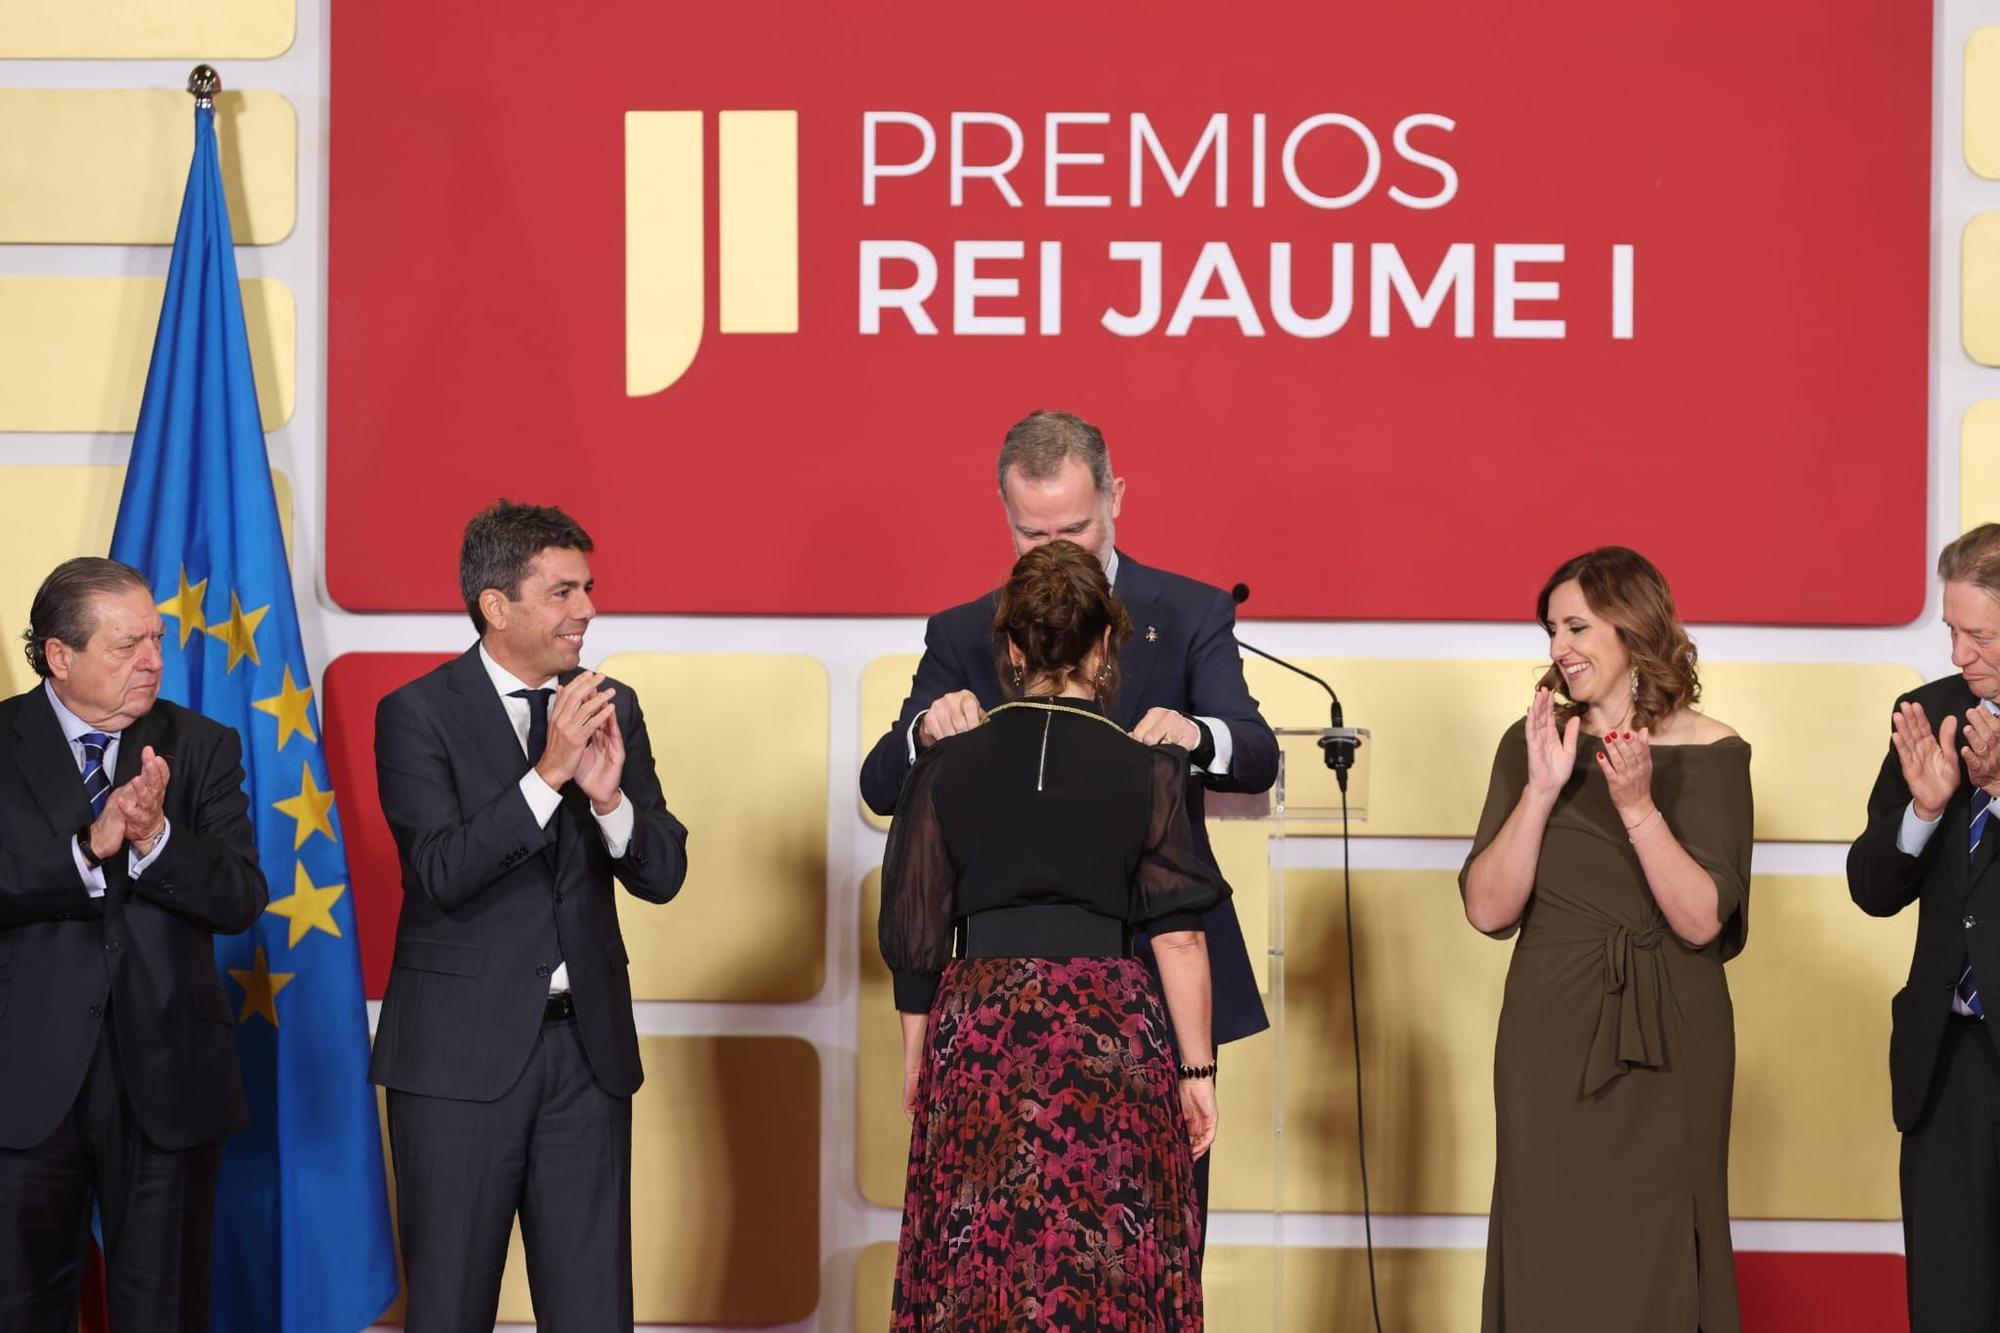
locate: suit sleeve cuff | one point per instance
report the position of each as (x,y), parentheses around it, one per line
(616,826)
(1915,833)
(915,991)
(137,864)
(1223,743)
(92,876)
(543,800)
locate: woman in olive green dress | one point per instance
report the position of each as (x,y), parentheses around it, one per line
(1616,841)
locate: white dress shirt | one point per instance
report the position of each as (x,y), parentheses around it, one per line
(1218,730)
(74,729)
(544,800)
(1915,835)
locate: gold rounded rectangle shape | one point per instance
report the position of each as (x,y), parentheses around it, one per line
(1982,102)
(74,351)
(1979,289)
(90,166)
(147,30)
(1979,466)
(740,741)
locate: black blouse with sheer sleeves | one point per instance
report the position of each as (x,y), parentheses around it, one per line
(1046,804)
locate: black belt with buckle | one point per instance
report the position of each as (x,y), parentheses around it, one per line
(560,1008)
(1054,930)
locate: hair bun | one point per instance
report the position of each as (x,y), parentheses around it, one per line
(1055,608)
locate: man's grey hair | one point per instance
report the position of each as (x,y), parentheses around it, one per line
(1975,559)
(1041,442)
(65,606)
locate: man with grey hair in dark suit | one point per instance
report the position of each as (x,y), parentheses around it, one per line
(125,848)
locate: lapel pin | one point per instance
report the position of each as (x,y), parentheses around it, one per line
(1152,635)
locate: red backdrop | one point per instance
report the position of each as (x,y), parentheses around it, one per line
(1762,434)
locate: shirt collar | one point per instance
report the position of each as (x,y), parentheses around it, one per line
(504,681)
(1111,567)
(73,727)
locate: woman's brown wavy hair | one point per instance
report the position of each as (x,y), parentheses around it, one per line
(1624,589)
(1055,608)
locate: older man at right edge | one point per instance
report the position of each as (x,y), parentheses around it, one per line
(1931,839)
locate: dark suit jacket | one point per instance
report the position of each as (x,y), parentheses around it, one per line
(1182,655)
(492,901)
(1958,901)
(145,950)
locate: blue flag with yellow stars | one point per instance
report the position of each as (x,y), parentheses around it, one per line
(302,1240)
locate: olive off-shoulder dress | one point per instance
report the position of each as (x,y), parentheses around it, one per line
(1614,1063)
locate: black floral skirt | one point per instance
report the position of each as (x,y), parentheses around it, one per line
(1050,1185)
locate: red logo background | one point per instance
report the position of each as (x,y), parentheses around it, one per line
(1764,435)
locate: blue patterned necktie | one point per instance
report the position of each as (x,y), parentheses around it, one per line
(1982,814)
(96,782)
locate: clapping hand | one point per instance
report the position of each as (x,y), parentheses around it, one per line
(1551,754)
(576,715)
(1930,769)
(1982,749)
(602,765)
(136,813)
(1627,761)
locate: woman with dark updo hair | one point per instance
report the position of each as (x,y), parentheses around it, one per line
(1053,1128)
(1616,840)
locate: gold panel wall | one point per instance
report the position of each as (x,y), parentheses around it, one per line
(740,741)
(109,165)
(74,351)
(147,29)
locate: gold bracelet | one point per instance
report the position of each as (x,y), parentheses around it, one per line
(1644,826)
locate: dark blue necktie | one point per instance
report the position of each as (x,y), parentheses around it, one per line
(96,781)
(538,721)
(1982,813)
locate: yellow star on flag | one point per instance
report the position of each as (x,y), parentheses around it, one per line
(240,632)
(290,705)
(308,908)
(260,989)
(185,606)
(310,808)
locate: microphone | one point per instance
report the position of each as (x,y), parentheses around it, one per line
(1341,741)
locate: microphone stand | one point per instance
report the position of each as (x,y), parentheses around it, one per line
(1337,747)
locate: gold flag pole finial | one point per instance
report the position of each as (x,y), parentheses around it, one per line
(204,83)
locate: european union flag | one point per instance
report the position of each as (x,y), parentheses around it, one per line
(302,1237)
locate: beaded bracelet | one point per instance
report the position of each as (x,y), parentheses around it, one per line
(1198,1071)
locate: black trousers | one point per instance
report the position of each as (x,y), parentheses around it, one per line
(555,1148)
(157,1208)
(1951,1189)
